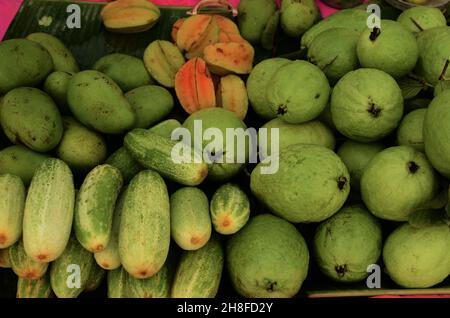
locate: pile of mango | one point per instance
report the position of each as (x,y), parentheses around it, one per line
(361,176)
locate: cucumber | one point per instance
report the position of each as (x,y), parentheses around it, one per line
(190,222)
(37,288)
(5,262)
(21,161)
(144,234)
(48,213)
(155,152)
(23,265)
(94,207)
(230,209)
(109,258)
(122,159)
(69,274)
(117,283)
(157,286)
(12,201)
(199,272)
(95,279)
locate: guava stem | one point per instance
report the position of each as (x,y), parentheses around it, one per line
(416,24)
(442,76)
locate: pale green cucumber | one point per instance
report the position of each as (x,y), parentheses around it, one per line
(5,262)
(37,288)
(117,283)
(95,278)
(23,265)
(94,207)
(144,234)
(165,156)
(190,222)
(12,201)
(48,213)
(157,286)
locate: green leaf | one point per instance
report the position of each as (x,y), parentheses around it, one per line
(410,87)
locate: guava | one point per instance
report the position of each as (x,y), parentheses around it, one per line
(410,131)
(398,181)
(297,16)
(418,257)
(347,243)
(436,133)
(258,82)
(298,92)
(310,133)
(441,86)
(267,258)
(224,165)
(253,17)
(356,156)
(311,184)
(434,52)
(420,18)
(366,105)
(391,48)
(334,52)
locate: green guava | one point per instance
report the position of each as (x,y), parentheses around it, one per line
(253,17)
(310,133)
(420,18)
(398,181)
(268,258)
(366,105)
(391,48)
(220,119)
(441,86)
(298,92)
(356,156)
(334,52)
(258,82)
(436,133)
(410,131)
(418,257)
(297,16)
(347,243)
(434,52)
(311,184)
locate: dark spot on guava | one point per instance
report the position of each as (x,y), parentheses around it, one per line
(374,34)
(374,110)
(341,270)
(328,231)
(413,167)
(282,109)
(271,286)
(342,181)
(317,96)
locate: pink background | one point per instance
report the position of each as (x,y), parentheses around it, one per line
(8,9)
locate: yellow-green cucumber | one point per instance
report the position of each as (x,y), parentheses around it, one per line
(166,157)
(230,209)
(198,273)
(37,288)
(12,201)
(144,234)
(94,207)
(109,258)
(95,279)
(190,222)
(48,212)
(23,265)
(69,274)
(117,283)
(5,262)
(122,159)
(157,286)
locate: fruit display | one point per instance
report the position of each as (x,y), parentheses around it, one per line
(211,163)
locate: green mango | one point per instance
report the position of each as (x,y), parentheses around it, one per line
(253,17)
(98,102)
(56,86)
(23,63)
(410,131)
(127,71)
(420,18)
(30,117)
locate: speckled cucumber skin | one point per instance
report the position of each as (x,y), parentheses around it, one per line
(48,213)
(23,265)
(190,222)
(5,262)
(94,207)
(12,201)
(144,234)
(38,288)
(157,286)
(61,274)
(96,276)
(117,283)
(199,272)
(230,209)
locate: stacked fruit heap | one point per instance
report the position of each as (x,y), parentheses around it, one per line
(394,156)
